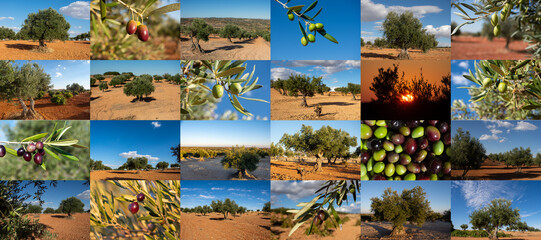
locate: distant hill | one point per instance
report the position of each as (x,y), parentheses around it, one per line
(249,24)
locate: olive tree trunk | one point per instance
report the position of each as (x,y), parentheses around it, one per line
(353,94)
(42,43)
(195,45)
(27,113)
(403,54)
(398,231)
(303,103)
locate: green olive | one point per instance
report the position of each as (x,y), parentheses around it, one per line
(497,30)
(311,38)
(312,27)
(418,132)
(410,177)
(502,87)
(438,147)
(304,42)
(389,169)
(398,149)
(379,155)
(290,16)
(363,170)
(366,131)
(217,91)
(487,82)
(380,132)
(400,169)
(379,167)
(319,26)
(494,19)
(235,88)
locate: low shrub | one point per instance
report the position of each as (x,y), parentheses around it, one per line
(58,99)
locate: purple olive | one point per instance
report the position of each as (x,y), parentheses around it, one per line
(410,146)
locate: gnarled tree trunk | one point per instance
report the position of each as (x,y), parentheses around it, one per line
(403,54)
(304,104)
(398,231)
(195,45)
(27,113)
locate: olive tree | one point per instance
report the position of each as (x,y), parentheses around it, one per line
(49,210)
(224,207)
(266,207)
(137,163)
(23,83)
(302,84)
(34,209)
(6,33)
(405,31)
(494,216)
(71,205)
(411,205)
(466,152)
(47,24)
(162,165)
(139,87)
(326,142)
(231,31)
(198,30)
(242,159)
(464,226)
(354,89)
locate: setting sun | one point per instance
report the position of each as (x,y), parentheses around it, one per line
(407,98)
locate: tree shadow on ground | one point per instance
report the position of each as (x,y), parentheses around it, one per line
(377,55)
(145,99)
(226,48)
(21,46)
(381,230)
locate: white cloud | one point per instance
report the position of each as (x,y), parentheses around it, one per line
(351,208)
(488,137)
(495,131)
(78,9)
(503,140)
(371,11)
(458,79)
(8,18)
(282,73)
(479,193)
(365,33)
(134,154)
(84,195)
(295,190)
(58,74)
(525,215)
(440,32)
(525,126)
(206,196)
(216,189)
(500,123)
(156,124)
(464,64)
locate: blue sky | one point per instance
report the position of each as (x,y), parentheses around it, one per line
(64,72)
(260,110)
(458,69)
(225,133)
(224,9)
(288,194)
(434,14)
(278,128)
(76,13)
(502,136)
(468,196)
(339,20)
(176,14)
(139,67)
(335,73)
(249,194)
(437,192)
(113,142)
(63,190)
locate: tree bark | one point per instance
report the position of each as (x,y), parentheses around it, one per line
(403,54)
(507,41)
(304,104)
(42,43)
(353,94)
(398,231)
(196,46)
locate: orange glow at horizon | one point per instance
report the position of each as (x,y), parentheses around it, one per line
(407,98)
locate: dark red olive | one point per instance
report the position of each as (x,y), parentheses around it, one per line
(38,158)
(133,207)
(142,32)
(447,138)
(140,197)
(422,143)
(365,156)
(397,139)
(432,133)
(131,27)
(410,146)
(2,151)
(20,151)
(433,122)
(378,177)
(443,127)
(434,166)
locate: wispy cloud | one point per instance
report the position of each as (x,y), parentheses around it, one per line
(295,190)
(525,126)
(134,154)
(156,124)
(206,196)
(371,11)
(479,193)
(7,18)
(84,195)
(78,9)
(216,189)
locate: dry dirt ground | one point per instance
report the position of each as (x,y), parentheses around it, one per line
(287,170)
(430,230)
(113,104)
(213,226)
(373,53)
(24,50)
(334,107)
(491,170)
(220,48)
(77,227)
(211,169)
(167,174)
(77,108)
(349,231)
(515,236)
(468,47)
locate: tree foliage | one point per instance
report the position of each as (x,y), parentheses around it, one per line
(404,31)
(162,165)
(98,165)
(6,33)
(71,205)
(225,207)
(46,25)
(198,30)
(139,87)
(494,216)
(466,152)
(411,205)
(136,163)
(242,159)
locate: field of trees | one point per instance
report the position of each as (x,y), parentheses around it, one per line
(125,96)
(392,210)
(470,161)
(404,38)
(157,38)
(496,220)
(24,220)
(27,93)
(39,40)
(224,163)
(225,38)
(301,155)
(307,98)
(225,219)
(135,210)
(136,168)
(506,32)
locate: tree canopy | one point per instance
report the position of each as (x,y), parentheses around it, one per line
(71,205)
(493,217)
(406,31)
(466,151)
(47,24)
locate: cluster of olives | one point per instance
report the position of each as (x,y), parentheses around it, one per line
(502,85)
(405,150)
(141,29)
(218,90)
(33,150)
(134,206)
(311,38)
(504,14)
